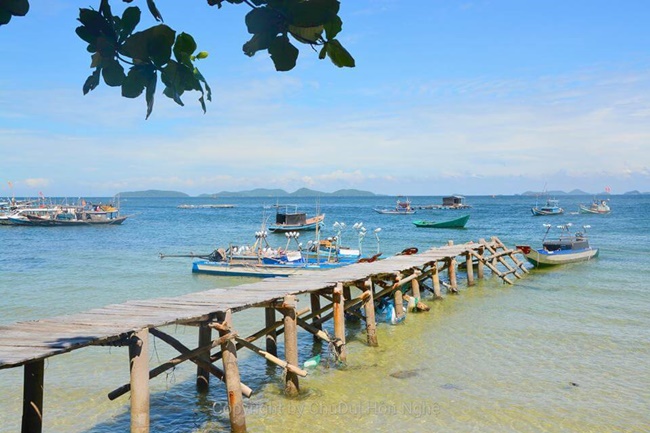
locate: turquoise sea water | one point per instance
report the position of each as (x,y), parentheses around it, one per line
(562,350)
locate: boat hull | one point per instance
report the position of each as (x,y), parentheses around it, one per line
(310,225)
(546,212)
(586,210)
(457,223)
(541,257)
(257,270)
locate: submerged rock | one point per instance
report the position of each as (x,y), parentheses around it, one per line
(404,374)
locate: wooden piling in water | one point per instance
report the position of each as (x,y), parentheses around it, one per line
(291,386)
(314,299)
(271,334)
(339,319)
(369,310)
(435,278)
(231,370)
(33,376)
(469,264)
(203,374)
(480,267)
(139,363)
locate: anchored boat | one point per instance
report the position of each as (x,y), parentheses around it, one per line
(457,223)
(568,248)
(597,207)
(552,207)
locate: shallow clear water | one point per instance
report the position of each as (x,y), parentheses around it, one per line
(562,350)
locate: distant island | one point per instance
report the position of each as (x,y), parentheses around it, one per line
(259,192)
(152,193)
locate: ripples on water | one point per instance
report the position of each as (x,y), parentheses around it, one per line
(561,350)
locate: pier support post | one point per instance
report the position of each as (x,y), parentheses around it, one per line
(315,306)
(291,386)
(399,302)
(369,308)
(203,374)
(139,363)
(32,421)
(469,263)
(233,381)
(480,268)
(435,277)
(451,269)
(339,319)
(271,335)
(415,290)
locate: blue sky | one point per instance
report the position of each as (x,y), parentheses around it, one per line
(468,97)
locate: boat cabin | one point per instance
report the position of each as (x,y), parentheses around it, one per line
(290,216)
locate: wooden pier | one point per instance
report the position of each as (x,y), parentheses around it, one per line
(401,277)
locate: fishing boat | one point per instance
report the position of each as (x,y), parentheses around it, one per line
(597,207)
(457,223)
(63,215)
(263,261)
(552,207)
(568,248)
(287,219)
(402,207)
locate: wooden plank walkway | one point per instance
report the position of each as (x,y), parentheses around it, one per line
(24,342)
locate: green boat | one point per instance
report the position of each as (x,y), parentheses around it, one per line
(457,223)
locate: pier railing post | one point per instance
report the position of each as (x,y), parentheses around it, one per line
(271,335)
(139,363)
(339,319)
(32,421)
(203,374)
(291,387)
(369,309)
(233,380)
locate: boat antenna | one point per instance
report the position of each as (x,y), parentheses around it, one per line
(548,227)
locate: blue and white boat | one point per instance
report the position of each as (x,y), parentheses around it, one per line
(288,219)
(552,207)
(569,248)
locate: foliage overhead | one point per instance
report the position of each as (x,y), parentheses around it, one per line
(135,60)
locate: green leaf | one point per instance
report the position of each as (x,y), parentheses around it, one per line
(92,81)
(130,19)
(265,20)
(95,23)
(5,16)
(323,52)
(183,49)
(339,55)
(17,8)
(136,80)
(154,10)
(112,72)
(151,91)
(333,27)
(283,54)
(153,44)
(259,42)
(85,34)
(200,78)
(105,9)
(313,12)
(306,35)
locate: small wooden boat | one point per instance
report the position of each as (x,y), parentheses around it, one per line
(551,207)
(402,207)
(567,249)
(457,223)
(597,207)
(289,219)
